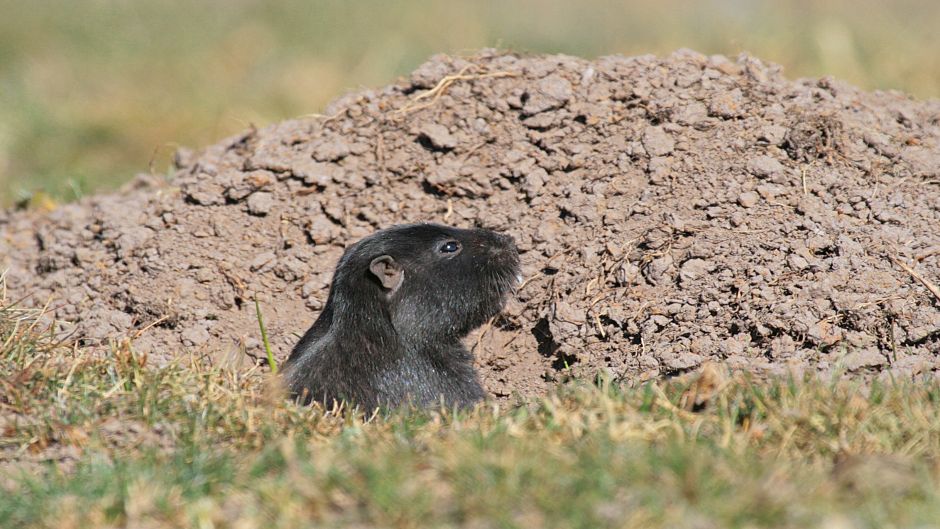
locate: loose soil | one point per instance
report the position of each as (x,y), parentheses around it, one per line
(668,211)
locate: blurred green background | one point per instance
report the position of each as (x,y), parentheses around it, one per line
(94,91)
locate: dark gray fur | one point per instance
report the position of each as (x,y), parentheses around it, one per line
(385,339)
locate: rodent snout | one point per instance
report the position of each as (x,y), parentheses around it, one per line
(503,244)
(503,248)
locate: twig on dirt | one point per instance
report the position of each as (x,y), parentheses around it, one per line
(803,178)
(923,280)
(486,328)
(326,119)
(874,302)
(528,280)
(600,326)
(473,149)
(590,284)
(929,253)
(442,86)
(450,209)
(380,153)
(151,325)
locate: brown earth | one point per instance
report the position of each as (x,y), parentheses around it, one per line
(668,211)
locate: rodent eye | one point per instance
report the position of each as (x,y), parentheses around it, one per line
(449,247)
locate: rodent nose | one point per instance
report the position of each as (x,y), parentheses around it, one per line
(505,244)
(507,240)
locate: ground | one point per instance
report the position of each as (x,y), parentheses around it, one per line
(736,273)
(668,211)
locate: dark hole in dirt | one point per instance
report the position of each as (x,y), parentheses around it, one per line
(564,361)
(431,190)
(411,89)
(426,142)
(503,323)
(544,147)
(606,321)
(671,372)
(760,339)
(826,251)
(813,137)
(634,338)
(191,200)
(923,340)
(543,335)
(45,266)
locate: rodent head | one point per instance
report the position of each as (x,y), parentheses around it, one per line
(434,282)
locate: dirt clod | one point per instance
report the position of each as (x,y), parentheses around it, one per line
(669,212)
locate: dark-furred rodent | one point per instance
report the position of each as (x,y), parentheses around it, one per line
(400,303)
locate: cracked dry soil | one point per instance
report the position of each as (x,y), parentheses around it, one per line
(668,211)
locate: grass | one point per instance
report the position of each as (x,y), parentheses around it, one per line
(105,440)
(92,92)
(272,364)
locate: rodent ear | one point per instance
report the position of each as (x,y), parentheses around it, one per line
(388,271)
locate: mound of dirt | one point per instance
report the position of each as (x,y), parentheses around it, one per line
(667,210)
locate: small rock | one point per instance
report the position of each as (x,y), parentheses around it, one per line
(121,321)
(693,269)
(863,358)
(659,268)
(319,284)
(727,104)
(321,230)
(765,166)
(565,312)
(681,361)
(548,93)
(657,142)
(260,204)
(315,173)
(824,333)
(196,335)
(797,262)
(438,136)
(83,256)
(773,134)
(443,175)
(691,114)
(881,143)
(262,260)
(331,150)
(748,199)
